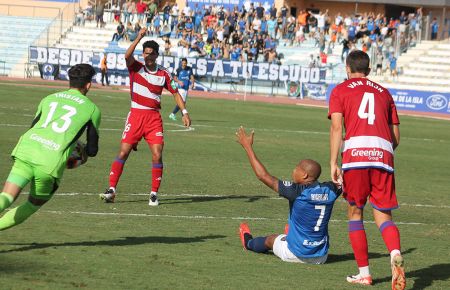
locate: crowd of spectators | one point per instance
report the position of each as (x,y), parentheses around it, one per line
(253,32)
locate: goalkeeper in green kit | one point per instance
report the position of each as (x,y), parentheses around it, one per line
(41,154)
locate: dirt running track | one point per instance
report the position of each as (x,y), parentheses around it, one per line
(210,95)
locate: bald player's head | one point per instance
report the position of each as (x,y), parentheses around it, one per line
(306,171)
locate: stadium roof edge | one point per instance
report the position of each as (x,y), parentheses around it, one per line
(428,3)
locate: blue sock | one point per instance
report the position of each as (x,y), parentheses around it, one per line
(175,110)
(257,245)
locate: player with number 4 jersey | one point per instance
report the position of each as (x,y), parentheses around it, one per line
(368,114)
(41,154)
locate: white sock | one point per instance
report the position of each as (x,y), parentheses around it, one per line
(153,193)
(113,189)
(364,271)
(395,253)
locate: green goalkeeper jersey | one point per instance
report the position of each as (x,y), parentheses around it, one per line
(60,120)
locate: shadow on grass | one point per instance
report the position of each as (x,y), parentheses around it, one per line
(185,199)
(423,278)
(332,258)
(125,241)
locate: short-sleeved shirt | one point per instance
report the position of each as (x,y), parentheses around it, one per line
(310,208)
(62,119)
(369,111)
(146,86)
(184,75)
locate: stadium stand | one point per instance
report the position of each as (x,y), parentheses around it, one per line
(424,67)
(14,45)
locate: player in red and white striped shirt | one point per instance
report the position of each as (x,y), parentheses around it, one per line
(147,82)
(369,115)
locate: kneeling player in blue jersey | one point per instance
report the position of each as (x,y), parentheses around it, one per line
(310,206)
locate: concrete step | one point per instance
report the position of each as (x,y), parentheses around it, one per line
(426,73)
(423,81)
(429,66)
(433,59)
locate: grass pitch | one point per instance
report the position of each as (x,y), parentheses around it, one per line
(190,241)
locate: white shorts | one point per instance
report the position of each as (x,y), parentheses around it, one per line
(281,250)
(183,94)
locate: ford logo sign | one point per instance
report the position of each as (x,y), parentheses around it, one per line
(436,102)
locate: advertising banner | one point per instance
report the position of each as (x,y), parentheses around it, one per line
(223,70)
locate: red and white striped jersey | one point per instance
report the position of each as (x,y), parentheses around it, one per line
(369,111)
(146,86)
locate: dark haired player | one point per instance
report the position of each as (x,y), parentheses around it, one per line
(367,112)
(310,207)
(185,79)
(41,154)
(147,82)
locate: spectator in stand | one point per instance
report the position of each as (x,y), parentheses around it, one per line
(263,28)
(115,10)
(141,7)
(256,25)
(250,16)
(156,25)
(290,29)
(226,51)
(271,26)
(393,65)
(235,53)
(434,29)
(120,32)
(260,11)
(152,11)
(88,12)
(167,46)
(210,34)
(221,16)
(132,11)
(216,51)
(180,26)
(125,14)
(379,62)
(272,56)
(187,11)
(174,12)
(183,46)
(345,49)
(79,18)
(99,10)
(166,13)
(189,27)
(198,17)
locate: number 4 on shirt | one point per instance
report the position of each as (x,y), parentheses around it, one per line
(368,101)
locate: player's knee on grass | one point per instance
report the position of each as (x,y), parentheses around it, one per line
(270,240)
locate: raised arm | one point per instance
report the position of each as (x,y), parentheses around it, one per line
(261,173)
(129,58)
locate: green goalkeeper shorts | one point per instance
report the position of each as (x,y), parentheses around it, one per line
(42,185)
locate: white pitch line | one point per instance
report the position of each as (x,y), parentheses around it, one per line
(235,128)
(113,129)
(209,217)
(221,196)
